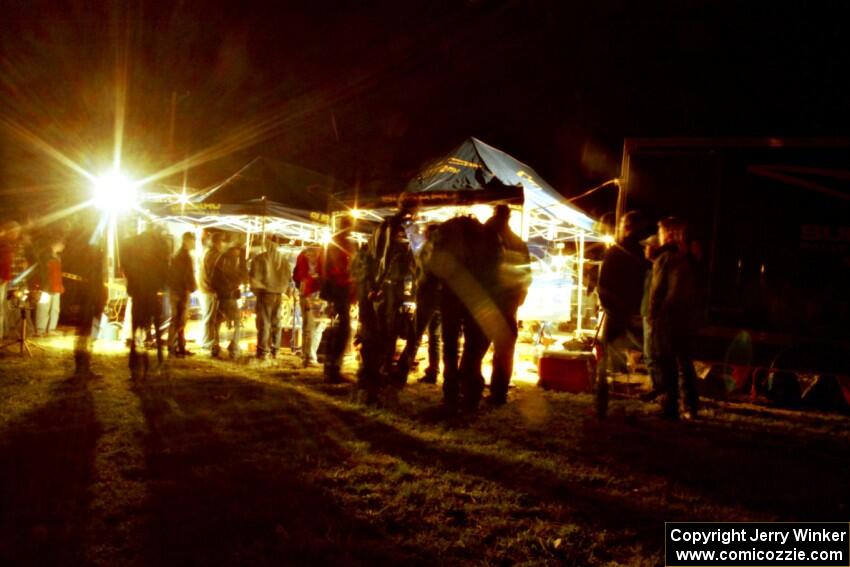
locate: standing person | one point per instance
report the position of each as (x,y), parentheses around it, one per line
(675,310)
(181,284)
(85,259)
(621,280)
(513,282)
(393,266)
(650,251)
(209,298)
(427,317)
(145,260)
(229,274)
(17,266)
(269,275)
(338,293)
(9,237)
(307,276)
(362,271)
(50,285)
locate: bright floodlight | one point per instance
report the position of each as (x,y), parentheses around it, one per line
(113,192)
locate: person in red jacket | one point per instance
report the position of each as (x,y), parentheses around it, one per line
(307,276)
(50,285)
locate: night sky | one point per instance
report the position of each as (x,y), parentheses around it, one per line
(368,91)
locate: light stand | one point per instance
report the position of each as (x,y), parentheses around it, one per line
(21,301)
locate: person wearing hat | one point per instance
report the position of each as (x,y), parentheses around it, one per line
(621,282)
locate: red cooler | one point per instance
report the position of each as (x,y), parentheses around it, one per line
(566,371)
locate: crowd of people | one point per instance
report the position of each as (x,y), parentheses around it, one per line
(649,290)
(388,278)
(318,285)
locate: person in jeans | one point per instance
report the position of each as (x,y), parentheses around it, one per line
(228,276)
(269,275)
(181,285)
(209,298)
(621,282)
(650,250)
(50,285)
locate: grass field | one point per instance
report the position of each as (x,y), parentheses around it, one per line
(221,463)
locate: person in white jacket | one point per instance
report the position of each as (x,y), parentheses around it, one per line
(269,275)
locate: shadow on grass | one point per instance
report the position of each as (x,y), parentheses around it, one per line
(787,474)
(758,466)
(231,473)
(46,470)
(589,505)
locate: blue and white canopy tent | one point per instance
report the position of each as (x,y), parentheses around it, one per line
(476,166)
(473,178)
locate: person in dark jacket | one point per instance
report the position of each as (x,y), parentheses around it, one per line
(427,317)
(85,259)
(181,284)
(209,300)
(229,274)
(362,270)
(675,312)
(269,276)
(145,260)
(650,250)
(394,265)
(621,282)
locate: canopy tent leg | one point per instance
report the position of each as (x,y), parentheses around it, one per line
(580,286)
